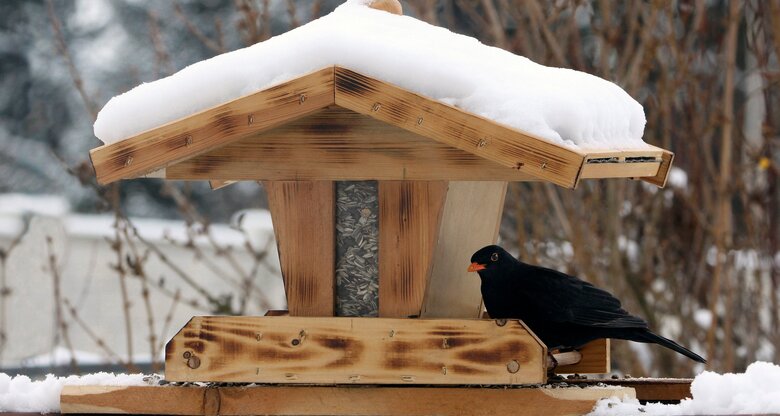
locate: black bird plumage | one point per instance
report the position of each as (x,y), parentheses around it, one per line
(563,311)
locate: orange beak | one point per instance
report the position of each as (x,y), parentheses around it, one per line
(475,267)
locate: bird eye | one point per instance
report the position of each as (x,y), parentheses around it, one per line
(494,257)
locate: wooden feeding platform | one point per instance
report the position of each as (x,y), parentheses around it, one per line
(378,197)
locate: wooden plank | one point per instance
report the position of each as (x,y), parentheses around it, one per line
(140,400)
(219,184)
(660,178)
(217,126)
(339,144)
(619,170)
(595,359)
(334,400)
(470,221)
(303,218)
(648,389)
(355,351)
(409,218)
(622,163)
(457,128)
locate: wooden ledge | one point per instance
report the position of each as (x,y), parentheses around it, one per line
(334,400)
(333,350)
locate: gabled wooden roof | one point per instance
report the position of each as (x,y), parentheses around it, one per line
(338,124)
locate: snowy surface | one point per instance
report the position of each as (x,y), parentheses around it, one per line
(254,225)
(561,105)
(20,394)
(756,391)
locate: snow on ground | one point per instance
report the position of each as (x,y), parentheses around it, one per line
(561,105)
(20,394)
(756,391)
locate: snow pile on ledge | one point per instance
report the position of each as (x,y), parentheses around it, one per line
(561,105)
(20,394)
(756,391)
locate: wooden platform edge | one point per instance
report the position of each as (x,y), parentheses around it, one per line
(333,400)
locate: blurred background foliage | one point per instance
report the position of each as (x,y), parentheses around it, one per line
(699,259)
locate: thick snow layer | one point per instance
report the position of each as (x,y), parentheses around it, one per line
(561,105)
(20,394)
(756,391)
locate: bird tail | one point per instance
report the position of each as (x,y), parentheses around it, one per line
(649,337)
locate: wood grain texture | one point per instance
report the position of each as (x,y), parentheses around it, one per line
(661,177)
(217,126)
(353,350)
(139,400)
(339,144)
(470,221)
(219,184)
(619,170)
(335,400)
(596,359)
(649,389)
(409,218)
(304,220)
(457,128)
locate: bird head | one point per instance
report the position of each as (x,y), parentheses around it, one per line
(488,259)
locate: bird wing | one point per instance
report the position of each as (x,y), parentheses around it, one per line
(575,301)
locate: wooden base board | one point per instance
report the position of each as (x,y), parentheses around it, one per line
(334,400)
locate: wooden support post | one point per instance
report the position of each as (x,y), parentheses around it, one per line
(470,221)
(409,218)
(302,213)
(595,359)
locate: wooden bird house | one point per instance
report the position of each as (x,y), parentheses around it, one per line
(378,197)
(440,176)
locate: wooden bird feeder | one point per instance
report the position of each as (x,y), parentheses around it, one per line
(436,178)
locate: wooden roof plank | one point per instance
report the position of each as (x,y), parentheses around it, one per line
(217,126)
(457,128)
(340,144)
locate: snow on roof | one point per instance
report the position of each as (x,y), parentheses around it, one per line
(561,105)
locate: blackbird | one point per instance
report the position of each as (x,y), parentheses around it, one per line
(563,311)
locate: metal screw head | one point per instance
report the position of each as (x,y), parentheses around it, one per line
(544,165)
(251,119)
(301,99)
(128,161)
(500,322)
(482,143)
(296,342)
(193,362)
(513,366)
(376,107)
(419,121)
(187,354)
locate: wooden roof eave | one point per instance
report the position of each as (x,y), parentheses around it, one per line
(155,149)
(219,126)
